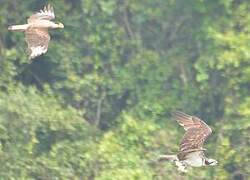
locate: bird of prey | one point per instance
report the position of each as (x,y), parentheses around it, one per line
(36,31)
(191,151)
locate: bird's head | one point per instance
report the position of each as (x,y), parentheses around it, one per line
(56,25)
(60,25)
(211,162)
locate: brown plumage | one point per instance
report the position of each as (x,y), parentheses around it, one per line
(36,31)
(191,151)
(196,133)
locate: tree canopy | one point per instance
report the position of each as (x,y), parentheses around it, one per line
(98,104)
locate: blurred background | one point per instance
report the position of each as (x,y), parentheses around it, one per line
(98,104)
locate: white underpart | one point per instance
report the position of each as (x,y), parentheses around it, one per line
(38,50)
(194,159)
(181,166)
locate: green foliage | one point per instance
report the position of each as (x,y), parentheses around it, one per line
(97,105)
(122,153)
(31,125)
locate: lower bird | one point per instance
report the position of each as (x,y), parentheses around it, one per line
(191,151)
(36,31)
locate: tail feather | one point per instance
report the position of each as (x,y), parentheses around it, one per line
(171,158)
(22,27)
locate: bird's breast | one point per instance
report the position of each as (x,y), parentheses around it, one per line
(193,159)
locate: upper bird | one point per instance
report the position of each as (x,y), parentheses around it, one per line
(191,152)
(36,31)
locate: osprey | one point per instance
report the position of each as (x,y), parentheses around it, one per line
(36,31)
(191,152)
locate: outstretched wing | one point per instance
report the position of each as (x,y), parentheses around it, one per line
(47,14)
(37,40)
(196,131)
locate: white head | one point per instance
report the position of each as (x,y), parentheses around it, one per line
(211,162)
(60,25)
(54,25)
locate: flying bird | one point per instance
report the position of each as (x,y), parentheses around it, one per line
(36,31)
(191,151)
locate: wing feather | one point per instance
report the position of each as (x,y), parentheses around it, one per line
(38,41)
(196,131)
(47,13)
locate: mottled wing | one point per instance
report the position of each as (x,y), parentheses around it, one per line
(193,139)
(47,13)
(37,40)
(196,131)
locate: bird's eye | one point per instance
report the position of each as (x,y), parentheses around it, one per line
(208,163)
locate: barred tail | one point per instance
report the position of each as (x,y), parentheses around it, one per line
(18,27)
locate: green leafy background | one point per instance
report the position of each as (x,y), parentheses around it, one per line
(98,104)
